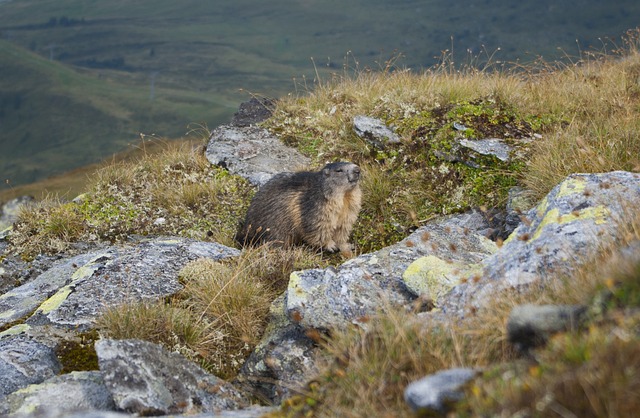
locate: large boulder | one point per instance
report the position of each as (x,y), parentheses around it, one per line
(569,226)
(74,291)
(427,264)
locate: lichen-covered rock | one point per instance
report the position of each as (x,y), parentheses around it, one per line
(75,291)
(59,395)
(431,276)
(252,153)
(427,264)
(569,226)
(434,395)
(24,362)
(23,300)
(145,379)
(280,364)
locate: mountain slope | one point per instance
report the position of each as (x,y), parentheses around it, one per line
(84,116)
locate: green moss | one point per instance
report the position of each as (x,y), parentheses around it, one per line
(78,354)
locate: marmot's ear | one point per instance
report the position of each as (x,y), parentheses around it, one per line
(326,172)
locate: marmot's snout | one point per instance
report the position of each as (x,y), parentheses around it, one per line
(353,174)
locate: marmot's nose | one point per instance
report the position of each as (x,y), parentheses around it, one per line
(354,174)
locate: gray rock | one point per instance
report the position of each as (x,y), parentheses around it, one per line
(252,153)
(531,325)
(10,210)
(78,290)
(253,112)
(374,131)
(23,300)
(489,146)
(427,264)
(145,379)
(434,395)
(471,151)
(24,362)
(280,364)
(569,226)
(73,392)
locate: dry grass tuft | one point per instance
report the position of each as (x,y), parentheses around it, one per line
(219,316)
(47,226)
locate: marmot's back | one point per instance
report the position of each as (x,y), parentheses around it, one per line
(317,208)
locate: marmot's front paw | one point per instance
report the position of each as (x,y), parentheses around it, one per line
(346,250)
(331,247)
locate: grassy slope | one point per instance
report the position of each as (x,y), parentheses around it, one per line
(85,117)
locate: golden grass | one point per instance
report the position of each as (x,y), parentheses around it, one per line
(219,316)
(175,191)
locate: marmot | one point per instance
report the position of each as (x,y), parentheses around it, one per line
(316,208)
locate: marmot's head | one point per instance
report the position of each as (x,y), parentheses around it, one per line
(340,177)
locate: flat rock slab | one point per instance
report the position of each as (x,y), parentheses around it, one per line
(74,291)
(253,153)
(146,379)
(23,300)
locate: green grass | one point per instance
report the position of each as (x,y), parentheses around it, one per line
(84,118)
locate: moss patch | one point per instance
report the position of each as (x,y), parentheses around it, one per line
(78,354)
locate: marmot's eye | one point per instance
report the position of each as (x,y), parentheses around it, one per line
(338,170)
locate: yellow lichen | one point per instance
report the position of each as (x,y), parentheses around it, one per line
(599,215)
(15,330)
(571,186)
(433,276)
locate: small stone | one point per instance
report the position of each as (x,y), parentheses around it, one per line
(374,131)
(531,325)
(435,394)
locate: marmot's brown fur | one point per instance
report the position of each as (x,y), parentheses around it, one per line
(316,208)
